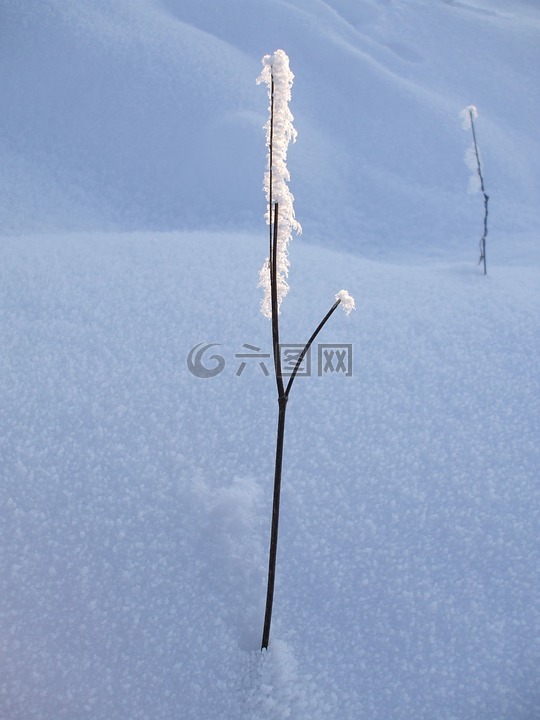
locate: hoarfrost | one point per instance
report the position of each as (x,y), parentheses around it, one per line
(280,132)
(347,301)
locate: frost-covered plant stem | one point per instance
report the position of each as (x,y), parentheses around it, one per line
(472,113)
(283,396)
(280,217)
(486,198)
(282,407)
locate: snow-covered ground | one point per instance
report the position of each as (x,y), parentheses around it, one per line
(135,497)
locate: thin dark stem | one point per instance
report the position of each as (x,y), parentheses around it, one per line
(486,198)
(275,524)
(282,404)
(483,241)
(271,170)
(274,304)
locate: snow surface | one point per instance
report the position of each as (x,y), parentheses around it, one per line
(135,497)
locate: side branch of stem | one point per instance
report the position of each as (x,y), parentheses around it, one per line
(308,345)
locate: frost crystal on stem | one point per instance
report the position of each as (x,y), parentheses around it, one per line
(346,300)
(279,133)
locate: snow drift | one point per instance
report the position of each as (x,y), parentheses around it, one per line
(145,115)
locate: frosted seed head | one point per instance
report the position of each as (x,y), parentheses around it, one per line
(346,300)
(276,74)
